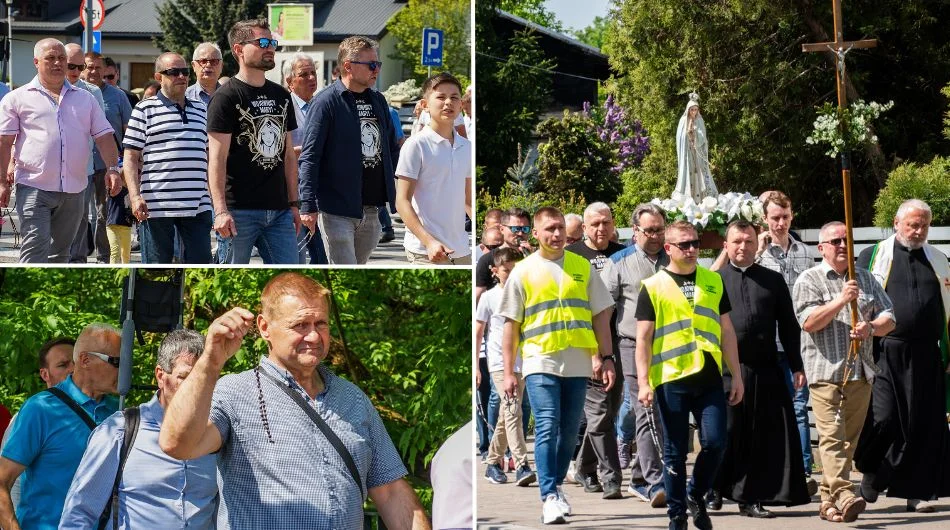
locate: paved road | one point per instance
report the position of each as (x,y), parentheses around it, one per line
(509,507)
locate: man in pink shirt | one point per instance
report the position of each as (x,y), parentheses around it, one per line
(47,123)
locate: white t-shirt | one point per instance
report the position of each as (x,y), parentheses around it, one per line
(571,362)
(487,312)
(452,483)
(440,169)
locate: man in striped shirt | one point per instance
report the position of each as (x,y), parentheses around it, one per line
(166,138)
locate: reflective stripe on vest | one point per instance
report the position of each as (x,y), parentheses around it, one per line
(557,313)
(682,332)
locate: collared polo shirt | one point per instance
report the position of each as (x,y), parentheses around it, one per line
(52,139)
(440,169)
(299,480)
(300,110)
(156,491)
(174,146)
(197,93)
(49,439)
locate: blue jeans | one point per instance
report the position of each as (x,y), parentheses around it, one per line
(271,231)
(385,221)
(557,404)
(626,418)
(676,401)
(800,404)
(159,235)
(312,246)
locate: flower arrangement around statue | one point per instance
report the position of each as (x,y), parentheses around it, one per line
(713,213)
(856,130)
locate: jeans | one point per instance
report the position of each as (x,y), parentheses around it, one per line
(626,419)
(557,404)
(271,231)
(350,241)
(312,245)
(385,221)
(800,404)
(48,223)
(157,238)
(676,400)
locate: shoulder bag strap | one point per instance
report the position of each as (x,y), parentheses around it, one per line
(83,415)
(321,424)
(131,416)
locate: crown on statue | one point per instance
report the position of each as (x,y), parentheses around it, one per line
(694,97)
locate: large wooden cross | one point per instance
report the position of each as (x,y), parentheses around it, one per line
(840,48)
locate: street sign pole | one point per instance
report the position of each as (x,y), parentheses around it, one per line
(87,33)
(10,42)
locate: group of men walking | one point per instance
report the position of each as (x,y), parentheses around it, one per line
(740,349)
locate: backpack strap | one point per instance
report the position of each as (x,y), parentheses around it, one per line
(83,415)
(131,415)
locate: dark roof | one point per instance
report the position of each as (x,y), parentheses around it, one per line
(333,19)
(548,32)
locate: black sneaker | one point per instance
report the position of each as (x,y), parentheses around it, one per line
(495,475)
(678,523)
(589,481)
(388,235)
(697,508)
(525,476)
(612,490)
(866,489)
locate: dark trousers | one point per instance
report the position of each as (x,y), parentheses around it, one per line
(158,237)
(484,392)
(676,400)
(599,448)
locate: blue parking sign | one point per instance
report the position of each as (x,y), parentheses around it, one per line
(432,40)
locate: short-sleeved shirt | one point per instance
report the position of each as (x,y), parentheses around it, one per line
(371,145)
(258,120)
(597,258)
(299,480)
(118,111)
(441,169)
(49,439)
(487,312)
(571,362)
(452,483)
(174,147)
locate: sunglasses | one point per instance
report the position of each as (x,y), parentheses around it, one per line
(373,65)
(175,72)
(110,77)
(208,62)
(79,67)
(522,229)
(114,361)
(686,245)
(262,42)
(838,241)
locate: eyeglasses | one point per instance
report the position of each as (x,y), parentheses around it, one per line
(79,67)
(373,65)
(175,72)
(838,241)
(686,245)
(208,62)
(522,229)
(651,232)
(262,42)
(110,77)
(114,361)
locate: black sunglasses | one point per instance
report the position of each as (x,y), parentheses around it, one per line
(373,65)
(175,72)
(686,245)
(114,361)
(262,42)
(110,77)
(838,241)
(79,67)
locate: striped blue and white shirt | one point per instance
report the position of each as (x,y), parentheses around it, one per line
(174,146)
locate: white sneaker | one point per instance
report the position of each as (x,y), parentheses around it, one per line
(551,512)
(562,502)
(570,473)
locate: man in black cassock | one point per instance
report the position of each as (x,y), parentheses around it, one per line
(905,447)
(763,460)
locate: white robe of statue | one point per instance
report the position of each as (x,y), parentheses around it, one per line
(694,178)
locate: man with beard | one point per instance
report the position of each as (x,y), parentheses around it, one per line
(763,459)
(904,446)
(252,168)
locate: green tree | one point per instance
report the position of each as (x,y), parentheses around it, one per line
(593,35)
(187,23)
(532,10)
(760,92)
(574,159)
(451,16)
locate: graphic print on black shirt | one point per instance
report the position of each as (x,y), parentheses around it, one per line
(371,144)
(263,131)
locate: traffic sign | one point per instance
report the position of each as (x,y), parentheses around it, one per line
(98,13)
(97,41)
(432,40)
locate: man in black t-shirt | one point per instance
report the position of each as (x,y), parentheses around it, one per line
(516,229)
(252,169)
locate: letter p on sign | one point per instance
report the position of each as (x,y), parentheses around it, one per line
(432,47)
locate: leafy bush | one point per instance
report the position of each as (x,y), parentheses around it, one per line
(929,183)
(513,195)
(574,159)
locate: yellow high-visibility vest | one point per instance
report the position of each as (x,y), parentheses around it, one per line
(683,333)
(557,315)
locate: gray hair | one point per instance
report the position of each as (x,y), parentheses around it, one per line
(647,207)
(825,227)
(45,43)
(597,207)
(160,61)
(352,46)
(573,217)
(288,68)
(177,343)
(913,204)
(89,334)
(204,46)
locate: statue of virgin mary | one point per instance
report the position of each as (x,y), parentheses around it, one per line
(694,178)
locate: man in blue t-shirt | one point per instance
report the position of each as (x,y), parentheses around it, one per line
(49,437)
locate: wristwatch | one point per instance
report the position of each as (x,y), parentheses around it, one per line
(293,204)
(117,169)
(610,357)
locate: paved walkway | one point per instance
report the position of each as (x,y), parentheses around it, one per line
(509,507)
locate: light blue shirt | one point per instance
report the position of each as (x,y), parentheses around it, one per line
(197,93)
(300,108)
(118,111)
(4,90)
(49,439)
(156,491)
(94,90)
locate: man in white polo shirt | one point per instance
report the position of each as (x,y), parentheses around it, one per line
(433,186)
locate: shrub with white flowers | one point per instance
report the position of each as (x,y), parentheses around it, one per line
(856,130)
(712,213)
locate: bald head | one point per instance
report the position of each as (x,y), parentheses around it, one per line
(74,56)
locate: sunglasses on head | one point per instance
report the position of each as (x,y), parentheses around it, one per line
(262,42)
(114,361)
(686,245)
(838,241)
(522,229)
(373,65)
(175,72)
(79,67)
